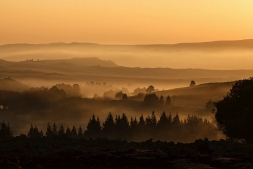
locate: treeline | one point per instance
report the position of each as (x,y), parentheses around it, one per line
(167,127)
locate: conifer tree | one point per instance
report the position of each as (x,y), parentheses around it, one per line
(168,101)
(30,133)
(34,132)
(68,132)
(109,127)
(133,123)
(74,132)
(41,133)
(133,127)
(54,131)
(163,121)
(122,126)
(176,120)
(61,131)
(141,122)
(80,132)
(170,118)
(153,120)
(5,131)
(161,100)
(49,132)
(93,128)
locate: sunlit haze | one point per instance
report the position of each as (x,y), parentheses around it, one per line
(125,21)
(126,84)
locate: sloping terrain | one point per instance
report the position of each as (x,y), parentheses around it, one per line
(198,95)
(82,70)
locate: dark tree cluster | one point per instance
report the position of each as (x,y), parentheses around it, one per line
(71,91)
(61,132)
(152,99)
(32,100)
(139,90)
(121,95)
(34,132)
(5,131)
(166,127)
(53,132)
(234,113)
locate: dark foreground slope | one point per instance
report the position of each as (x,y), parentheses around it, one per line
(102,153)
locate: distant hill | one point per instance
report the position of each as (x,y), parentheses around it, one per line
(12,85)
(246,44)
(82,70)
(198,95)
(85,61)
(204,55)
(91,61)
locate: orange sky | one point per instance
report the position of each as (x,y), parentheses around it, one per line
(124,21)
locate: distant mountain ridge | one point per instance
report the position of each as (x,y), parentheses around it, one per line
(85,61)
(229,44)
(204,55)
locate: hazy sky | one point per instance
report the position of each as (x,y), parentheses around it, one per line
(124,21)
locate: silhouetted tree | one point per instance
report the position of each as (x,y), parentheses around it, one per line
(70,90)
(141,130)
(109,127)
(74,132)
(34,132)
(77,90)
(141,123)
(68,132)
(5,131)
(150,89)
(170,118)
(49,132)
(80,132)
(122,126)
(153,119)
(151,99)
(234,113)
(133,128)
(163,121)
(176,121)
(161,100)
(139,90)
(168,101)
(166,128)
(151,123)
(192,83)
(133,123)
(54,130)
(61,131)
(124,96)
(110,94)
(93,128)
(56,94)
(119,95)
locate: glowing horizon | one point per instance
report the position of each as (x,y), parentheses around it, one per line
(125,22)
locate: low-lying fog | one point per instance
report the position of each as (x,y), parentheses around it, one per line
(99,98)
(28,87)
(211,55)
